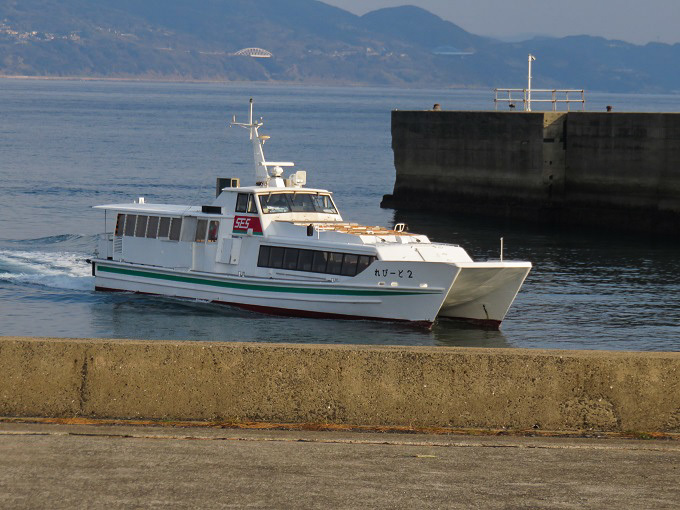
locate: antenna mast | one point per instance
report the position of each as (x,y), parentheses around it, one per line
(262,176)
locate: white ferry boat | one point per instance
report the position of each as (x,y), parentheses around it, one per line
(282,248)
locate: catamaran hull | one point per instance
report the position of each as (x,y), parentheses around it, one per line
(364,299)
(483,292)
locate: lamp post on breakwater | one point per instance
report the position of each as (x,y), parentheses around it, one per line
(531,59)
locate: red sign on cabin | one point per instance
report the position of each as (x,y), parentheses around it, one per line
(244,223)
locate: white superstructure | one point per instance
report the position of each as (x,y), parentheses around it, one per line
(284,248)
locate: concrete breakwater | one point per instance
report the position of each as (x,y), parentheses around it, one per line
(352,385)
(618,170)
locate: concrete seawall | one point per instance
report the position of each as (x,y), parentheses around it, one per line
(352,385)
(619,170)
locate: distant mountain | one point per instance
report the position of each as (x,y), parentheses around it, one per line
(420,28)
(310,42)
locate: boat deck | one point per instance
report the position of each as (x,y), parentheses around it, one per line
(345,227)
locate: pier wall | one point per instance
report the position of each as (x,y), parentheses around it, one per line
(618,170)
(349,385)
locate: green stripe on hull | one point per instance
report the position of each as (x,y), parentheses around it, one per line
(245,232)
(255,287)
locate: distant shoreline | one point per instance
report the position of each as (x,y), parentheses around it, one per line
(289,83)
(226,82)
(133,79)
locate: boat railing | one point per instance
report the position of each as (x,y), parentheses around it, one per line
(553,96)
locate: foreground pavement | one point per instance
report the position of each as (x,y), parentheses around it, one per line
(105,466)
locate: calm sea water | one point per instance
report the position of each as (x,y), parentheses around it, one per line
(68,145)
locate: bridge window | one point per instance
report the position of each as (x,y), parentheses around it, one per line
(324,204)
(245,202)
(276,203)
(241,202)
(301,202)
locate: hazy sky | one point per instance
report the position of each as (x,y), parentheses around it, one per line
(636,21)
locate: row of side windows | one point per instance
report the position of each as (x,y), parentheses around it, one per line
(346,264)
(163,227)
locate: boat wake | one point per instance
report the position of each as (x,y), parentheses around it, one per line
(67,242)
(60,270)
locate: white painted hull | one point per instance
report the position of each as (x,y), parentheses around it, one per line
(483,291)
(362,297)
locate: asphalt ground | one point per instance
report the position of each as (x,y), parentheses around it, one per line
(122,466)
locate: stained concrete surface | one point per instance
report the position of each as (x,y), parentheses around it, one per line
(89,466)
(341,384)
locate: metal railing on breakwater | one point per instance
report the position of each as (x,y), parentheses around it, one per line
(557,97)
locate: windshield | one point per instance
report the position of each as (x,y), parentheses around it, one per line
(274,203)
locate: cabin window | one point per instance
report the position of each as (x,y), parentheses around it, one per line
(175,228)
(120,223)
(201,227)
(276,257)
(346,264)
(130,220)
(290,258)
(319,262)
(188,233)
(140,231)
(305,260)
(334,263)
(152,227)
(263,259)
(213,230)
(363,262)
(349,264)
(164,227)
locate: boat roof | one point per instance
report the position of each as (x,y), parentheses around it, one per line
(267,190)
(151,208)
